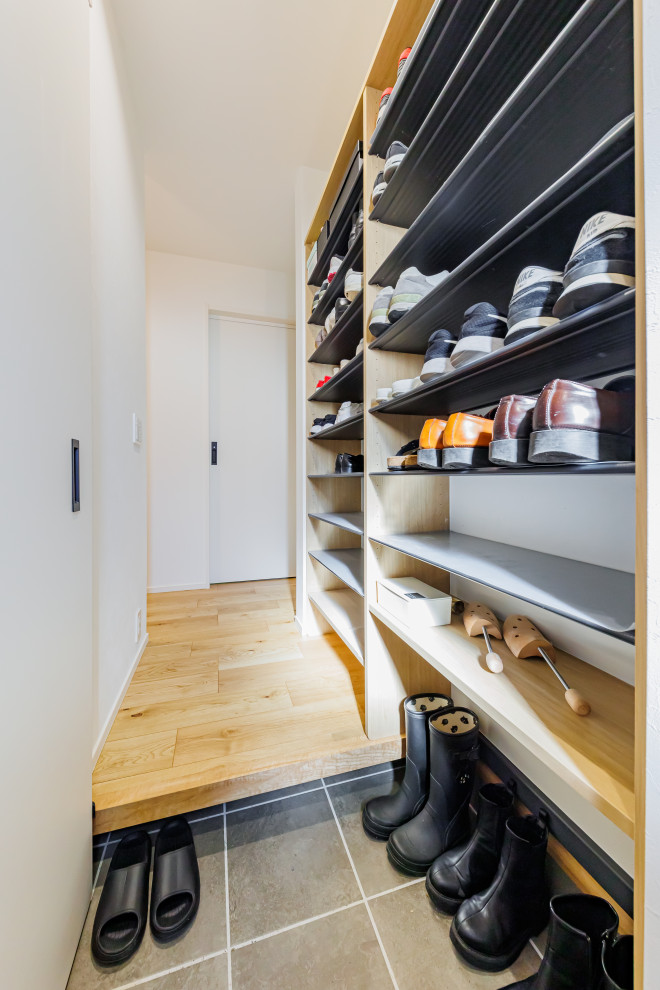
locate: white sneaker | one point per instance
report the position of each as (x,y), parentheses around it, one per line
(383,394)
(411,287)
(352,284)
(349,409)
(402,386)
(360,347)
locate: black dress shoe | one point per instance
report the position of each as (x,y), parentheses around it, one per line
(349,464)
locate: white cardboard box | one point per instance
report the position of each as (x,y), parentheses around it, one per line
(413,602)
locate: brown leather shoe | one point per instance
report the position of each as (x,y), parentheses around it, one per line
(576,423)
(511,429)
(431,443)
(466,440)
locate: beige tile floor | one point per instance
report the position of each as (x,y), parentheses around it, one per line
(296,896)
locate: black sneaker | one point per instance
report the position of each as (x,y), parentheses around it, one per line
(349,464)
(535,293)
(482,333)
(395,154)
(341,306)
(356,228)
(380,185)
(436,363)
(315,301)
(317,426)
(602,263)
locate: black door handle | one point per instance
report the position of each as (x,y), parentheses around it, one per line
(214,452)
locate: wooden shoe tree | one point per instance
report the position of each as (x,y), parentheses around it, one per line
(479,620)
(527,642)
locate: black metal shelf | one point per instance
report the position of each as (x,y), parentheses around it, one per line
(345,386)
(352,260)
(348,429)
(337,242)
(599,597)
(604,467)
(542,234)
(596,342)
(333,474)
(347,565)
(541,131)
(438,47)
(343,338)
(352,522)
(507,44)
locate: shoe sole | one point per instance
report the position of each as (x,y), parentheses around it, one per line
(435,368)
(490,964)
(590,290)
(447,905)
(464,458)
(374,831)
(430,459)
(578,447)
(509,453)
(525,328)
(404,865)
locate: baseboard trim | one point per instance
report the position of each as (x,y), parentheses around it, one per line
(299,625)
(105,731)
(158,589)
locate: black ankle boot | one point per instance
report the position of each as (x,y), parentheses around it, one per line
(444,820)
(618,963)
(382,815)
(461,872)
(579,925)
(491,928)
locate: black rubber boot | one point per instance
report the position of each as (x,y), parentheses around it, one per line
(581,927)
(382,815)
(491,928)
(461,872)
(618,963)
(444,821)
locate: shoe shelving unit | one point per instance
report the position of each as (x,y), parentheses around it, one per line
(520,128)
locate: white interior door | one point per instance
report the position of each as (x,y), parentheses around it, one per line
(45,560)
(252,485)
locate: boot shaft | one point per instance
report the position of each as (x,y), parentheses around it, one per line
(419,708)
(581,927)
(494,808)
(454,750)
(617,957)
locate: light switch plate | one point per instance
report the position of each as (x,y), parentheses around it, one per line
(137,429)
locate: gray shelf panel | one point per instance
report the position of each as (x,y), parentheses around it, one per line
(348,429)
(578,91)
(347,565)
(353,259)
(345,386)
(353,522)
(604,467)
(508,43)
(343,338)
(332,474)
(599,597)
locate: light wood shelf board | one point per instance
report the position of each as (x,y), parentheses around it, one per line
(594,754)
(343,610)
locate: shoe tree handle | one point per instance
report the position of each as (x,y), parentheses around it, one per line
(524,639)
(573,698)
(476,617)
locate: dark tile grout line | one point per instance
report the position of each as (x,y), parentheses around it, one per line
(232,811)
(361,889)
(299,924)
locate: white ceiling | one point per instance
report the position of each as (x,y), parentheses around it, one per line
(233,96)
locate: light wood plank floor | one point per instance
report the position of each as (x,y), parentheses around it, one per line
(228,701)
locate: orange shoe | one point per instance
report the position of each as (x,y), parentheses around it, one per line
(466,440)
(431,443)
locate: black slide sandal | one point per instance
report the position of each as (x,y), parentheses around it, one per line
(121,916)
(175,886)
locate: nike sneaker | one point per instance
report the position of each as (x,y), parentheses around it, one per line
(602,263)
(534,295)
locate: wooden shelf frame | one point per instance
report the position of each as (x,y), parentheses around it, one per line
(524,703)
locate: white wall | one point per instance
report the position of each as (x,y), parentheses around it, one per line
(180,294)
(45,548)
(119,373)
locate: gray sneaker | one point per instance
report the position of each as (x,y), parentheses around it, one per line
(379,321)
(410,288)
